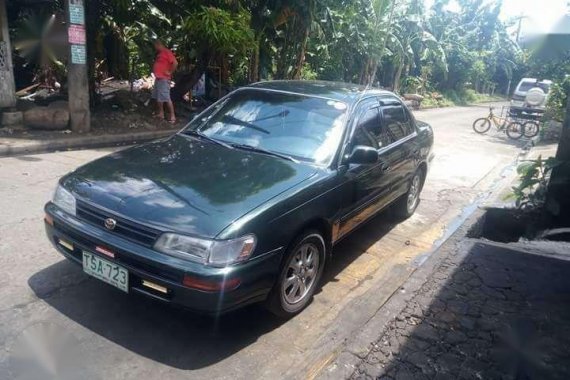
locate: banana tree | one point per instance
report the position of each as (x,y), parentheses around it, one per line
(411,44)
(294,22)
(380,24)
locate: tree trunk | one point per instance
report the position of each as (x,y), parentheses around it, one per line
(368,72)
(92,27)
(301,56)
(254,61)
(397,77)
(372,73)
(7,84)
(254,64)
(558,197)
(364,71)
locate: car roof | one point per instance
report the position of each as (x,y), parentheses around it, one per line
(340,91)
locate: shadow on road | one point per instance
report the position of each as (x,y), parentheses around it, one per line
(490,312)
(169,335)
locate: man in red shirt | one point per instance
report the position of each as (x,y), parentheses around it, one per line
(164,65)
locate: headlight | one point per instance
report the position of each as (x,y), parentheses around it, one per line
(214,252)
(64,200)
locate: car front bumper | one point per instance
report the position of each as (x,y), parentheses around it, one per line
(255,278)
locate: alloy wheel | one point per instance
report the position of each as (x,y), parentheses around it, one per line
(414,193)
(301,274)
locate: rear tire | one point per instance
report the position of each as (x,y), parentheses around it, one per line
(515,130)
(481,125)
(301,272)
(408,203)
(531,129)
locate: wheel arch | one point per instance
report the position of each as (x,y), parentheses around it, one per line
(319,224)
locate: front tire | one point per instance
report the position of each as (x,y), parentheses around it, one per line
(481,125)
(303,266)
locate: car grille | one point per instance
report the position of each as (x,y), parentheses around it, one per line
(124,228)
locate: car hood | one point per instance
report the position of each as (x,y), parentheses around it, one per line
(184,184)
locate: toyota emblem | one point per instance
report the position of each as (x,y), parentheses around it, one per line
(110,223)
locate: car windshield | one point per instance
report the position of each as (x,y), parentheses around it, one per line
(302,127)
(525,86)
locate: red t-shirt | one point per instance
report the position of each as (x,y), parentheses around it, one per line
(163,64)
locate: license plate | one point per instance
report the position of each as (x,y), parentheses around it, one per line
(106,271)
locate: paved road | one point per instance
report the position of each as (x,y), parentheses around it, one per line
(485,313)
(114,336)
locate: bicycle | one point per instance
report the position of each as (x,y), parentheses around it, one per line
(514,129)
(531,128)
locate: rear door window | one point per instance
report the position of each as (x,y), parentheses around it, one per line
(395,119)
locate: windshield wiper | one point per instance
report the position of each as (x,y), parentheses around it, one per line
(236,121)
(263,151)
(206,137)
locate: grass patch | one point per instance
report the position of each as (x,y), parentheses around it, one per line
(456,98)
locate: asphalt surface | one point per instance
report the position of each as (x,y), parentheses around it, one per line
(109,335)
(485,313)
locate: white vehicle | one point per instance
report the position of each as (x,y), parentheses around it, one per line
(530,96)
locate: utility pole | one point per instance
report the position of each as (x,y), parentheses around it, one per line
(77,77)
(7,86)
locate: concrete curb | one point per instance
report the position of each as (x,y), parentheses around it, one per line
(344,360)
(83,142)
(360,344)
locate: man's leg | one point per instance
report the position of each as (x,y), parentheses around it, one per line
(170,106)
(159,109)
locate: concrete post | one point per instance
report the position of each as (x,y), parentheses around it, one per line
(7,85)
(558,197)
(77,77)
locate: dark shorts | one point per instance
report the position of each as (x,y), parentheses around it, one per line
(161,90)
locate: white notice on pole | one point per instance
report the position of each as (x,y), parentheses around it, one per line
(78,54)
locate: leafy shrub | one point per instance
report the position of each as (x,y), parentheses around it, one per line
(453,96)
(307,73)
(557,99)
(471,96)
(534,176)
(412,85)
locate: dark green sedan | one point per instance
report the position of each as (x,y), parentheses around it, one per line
(246,203)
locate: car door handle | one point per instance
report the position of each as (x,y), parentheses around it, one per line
(385,167)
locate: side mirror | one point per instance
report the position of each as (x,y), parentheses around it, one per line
(363,155)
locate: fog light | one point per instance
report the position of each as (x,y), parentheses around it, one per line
(65,244)
(154,286)
(210,286)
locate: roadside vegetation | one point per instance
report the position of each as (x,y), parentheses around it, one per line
(449,55)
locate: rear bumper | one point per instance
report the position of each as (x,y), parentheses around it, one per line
(256,277)
(521,108)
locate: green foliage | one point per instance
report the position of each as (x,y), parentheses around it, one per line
(557,99)
(412,85)
(533,176)
(219,30)
(307,73)
(399,44)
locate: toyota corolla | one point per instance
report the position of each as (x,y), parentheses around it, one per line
(246,203)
